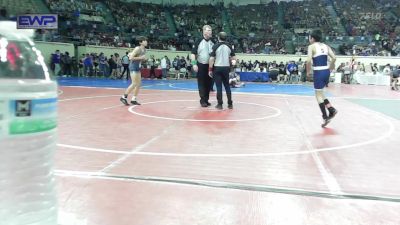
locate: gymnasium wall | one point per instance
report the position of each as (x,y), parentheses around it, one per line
(49,47)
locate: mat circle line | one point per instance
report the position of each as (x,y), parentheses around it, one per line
(277,113)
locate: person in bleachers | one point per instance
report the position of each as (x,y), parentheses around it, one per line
(255,19)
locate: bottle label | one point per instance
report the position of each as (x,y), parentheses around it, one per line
(28,116)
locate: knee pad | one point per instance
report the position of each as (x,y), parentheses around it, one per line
(319,94)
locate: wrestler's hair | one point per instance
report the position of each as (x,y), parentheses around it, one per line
(317,35)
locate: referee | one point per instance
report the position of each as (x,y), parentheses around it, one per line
(200,56)
(219,67)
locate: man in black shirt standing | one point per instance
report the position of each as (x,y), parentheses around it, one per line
(219,67)
(200,55)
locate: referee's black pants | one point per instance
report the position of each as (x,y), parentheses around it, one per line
(221,76)
(204,83)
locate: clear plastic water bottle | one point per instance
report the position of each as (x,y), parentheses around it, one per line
(28,121)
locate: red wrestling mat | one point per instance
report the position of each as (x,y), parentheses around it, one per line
(265,144)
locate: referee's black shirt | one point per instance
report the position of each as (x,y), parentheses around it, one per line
(202,48)
(222,51)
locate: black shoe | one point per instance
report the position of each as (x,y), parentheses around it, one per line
(332,113)
(218,106)
(204,105)
(230,106)
(135,103)
(124,101)
(325,122)
(208,104)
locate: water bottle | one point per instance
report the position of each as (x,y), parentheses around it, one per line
(28,121)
